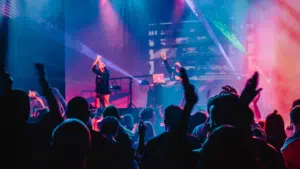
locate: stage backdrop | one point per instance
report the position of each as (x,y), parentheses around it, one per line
(130,36)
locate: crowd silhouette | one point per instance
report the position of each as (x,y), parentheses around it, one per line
(66,135)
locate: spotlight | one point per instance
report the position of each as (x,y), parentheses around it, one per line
(144,82)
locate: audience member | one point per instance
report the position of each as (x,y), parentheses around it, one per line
(296,103)
(160,151)
(173,148)
(78,108)
(38,107)
(128,122)
(196,119)
(148,114)
(112,111)
(70,145)
(289,130)
(149,134)
(275,130)
(227,147)
(291,147)
(201,132)
(229,109)
(107,151)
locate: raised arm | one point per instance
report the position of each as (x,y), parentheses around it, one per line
(60,98)
(54,117)
(97,60)
(142,133)
(180,130)
(191,100)
(257,113)
(167,66)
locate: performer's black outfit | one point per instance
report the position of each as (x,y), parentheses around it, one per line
(102,85)
(172,72)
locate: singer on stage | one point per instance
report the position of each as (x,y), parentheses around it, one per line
(102,92)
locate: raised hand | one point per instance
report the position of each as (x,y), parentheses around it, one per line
(99,57)
(97,61)
(163,56)
(40,70)
(250,91)
(229,90)
(142,129)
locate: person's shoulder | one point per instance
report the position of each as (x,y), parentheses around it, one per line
(288,141)
(265,148)
(163,136)
(258,142)
(291,144)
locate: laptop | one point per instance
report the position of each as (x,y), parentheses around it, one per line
(158,78)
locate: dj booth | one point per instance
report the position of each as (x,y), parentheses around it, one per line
(165,94)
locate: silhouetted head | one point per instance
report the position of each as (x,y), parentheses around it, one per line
(296,103)
(70,144)
(78,108)
(172,116)
(195,120)
(211,101)
(6,82)
(148,114)
(128,121)
(227,147)
(295,117)
(225,110)
(109,127)
(275,130)
(111,110)
(20,110)
(274,125)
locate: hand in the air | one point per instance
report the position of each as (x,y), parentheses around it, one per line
(142,129)
(99,57)
(40,69)
(163,56)
(250,91)
(229,90)
(189,90)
